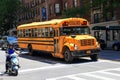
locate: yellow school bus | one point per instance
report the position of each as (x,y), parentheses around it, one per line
(63,38)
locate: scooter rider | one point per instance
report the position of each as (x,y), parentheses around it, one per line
(9,52)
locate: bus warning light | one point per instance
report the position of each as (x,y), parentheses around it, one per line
(65,24)
(84,23)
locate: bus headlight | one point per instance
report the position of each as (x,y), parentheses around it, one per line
(75,47)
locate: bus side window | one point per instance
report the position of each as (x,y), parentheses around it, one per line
(46,32)
(43,32)
(19,35)
(23,35)
(21,32)
(29,32)
(36,32)
(39,32)
(56,33)
(51,32)
(33,32)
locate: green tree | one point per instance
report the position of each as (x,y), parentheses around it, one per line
(87,5)
(108,3)
(81,11)
(8,14)
(108,6)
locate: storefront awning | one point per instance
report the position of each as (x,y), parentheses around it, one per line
(106,28)
(114,27)
(99,28)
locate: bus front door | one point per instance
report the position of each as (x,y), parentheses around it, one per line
(56,41)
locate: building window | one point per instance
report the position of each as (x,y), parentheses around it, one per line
(36,2)
(115,34)
(42,1)
(34,13)
(75,3)
(57,8)
(38,11)
(51,10)
(65,5)
(32,4)
(109,16)
(44,15)
(97,18)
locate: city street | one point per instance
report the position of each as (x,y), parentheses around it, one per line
(45,67)
(69,28)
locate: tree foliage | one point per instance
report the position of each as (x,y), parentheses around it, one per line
(80,11)
(8,14)
(111,3)
(108,7)
(87,5)
(75,12)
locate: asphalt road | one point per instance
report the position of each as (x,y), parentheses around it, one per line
(45,67)
(110,55)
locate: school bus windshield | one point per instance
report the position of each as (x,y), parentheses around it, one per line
(75,30)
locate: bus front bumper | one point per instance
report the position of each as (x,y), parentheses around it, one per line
(80,53)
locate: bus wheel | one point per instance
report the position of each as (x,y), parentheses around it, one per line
(94,57)
(30,50)
(67,56)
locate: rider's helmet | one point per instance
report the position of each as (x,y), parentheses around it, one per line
(11,45)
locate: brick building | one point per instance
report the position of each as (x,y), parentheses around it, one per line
(41,10)
(106,25)
(30,12)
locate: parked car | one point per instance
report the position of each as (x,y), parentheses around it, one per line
(116,46)
(4,43)
(102,43)
(9,40)
(1,42)
(13,40)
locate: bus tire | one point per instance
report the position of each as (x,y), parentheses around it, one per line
(67,56)
(94,57)
(30,50)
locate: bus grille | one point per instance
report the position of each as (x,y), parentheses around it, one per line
(87,42)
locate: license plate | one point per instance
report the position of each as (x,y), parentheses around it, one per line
(88,52)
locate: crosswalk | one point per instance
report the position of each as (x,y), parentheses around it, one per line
(108,74)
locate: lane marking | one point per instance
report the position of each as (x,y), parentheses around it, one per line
(109,73)
(55,66)
(90,74)
(60,66)
(69,77)
(42,68)
(76,78)
(99,77)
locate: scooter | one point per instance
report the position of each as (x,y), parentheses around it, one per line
(13,65)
